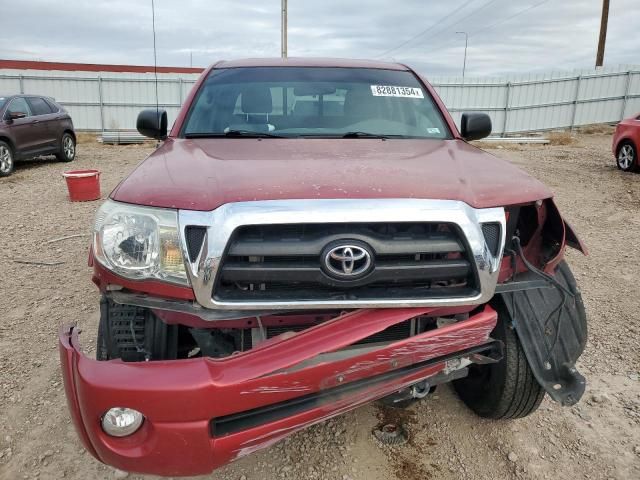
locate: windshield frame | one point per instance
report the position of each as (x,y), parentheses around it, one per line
(438,108)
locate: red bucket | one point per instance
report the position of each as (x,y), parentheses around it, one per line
(83,185)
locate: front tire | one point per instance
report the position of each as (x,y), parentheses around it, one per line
(506,389)
(7,163)
(627,158)
(67,150)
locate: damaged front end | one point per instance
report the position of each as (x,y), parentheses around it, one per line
(296,313)
(200,413)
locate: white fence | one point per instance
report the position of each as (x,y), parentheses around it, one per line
(103,101)
(112,101)
(546,102)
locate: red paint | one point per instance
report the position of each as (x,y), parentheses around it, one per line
(103,277)
(180,397)
(309,62)
(204,174)
(627,130)
(91,67)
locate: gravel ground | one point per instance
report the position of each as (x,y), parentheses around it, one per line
(597,439)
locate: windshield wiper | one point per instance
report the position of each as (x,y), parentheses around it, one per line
(369,135)
(232,133)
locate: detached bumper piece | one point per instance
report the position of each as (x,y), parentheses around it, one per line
(202,413)
(552,326)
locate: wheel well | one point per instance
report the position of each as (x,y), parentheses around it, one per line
(622,142)
(72,133)
(8,140)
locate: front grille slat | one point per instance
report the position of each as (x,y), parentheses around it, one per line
(286,262)
(313,246)
(304,272)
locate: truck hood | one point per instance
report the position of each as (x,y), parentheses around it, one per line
(202,174)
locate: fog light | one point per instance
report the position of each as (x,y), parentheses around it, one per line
(120,422)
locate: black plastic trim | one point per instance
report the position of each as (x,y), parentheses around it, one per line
(237,422)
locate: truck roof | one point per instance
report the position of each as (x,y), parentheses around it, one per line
(309,62)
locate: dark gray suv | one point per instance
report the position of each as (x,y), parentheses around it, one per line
(31,126)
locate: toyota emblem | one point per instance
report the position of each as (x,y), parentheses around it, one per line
(347,261)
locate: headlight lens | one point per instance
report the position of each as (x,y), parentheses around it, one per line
(139,242)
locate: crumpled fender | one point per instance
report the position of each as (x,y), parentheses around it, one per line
(572,240)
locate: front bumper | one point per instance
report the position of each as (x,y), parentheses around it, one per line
(202,413)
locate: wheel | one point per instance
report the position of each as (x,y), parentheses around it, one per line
(6,159)
(506,389)
(627,158)
(67,148)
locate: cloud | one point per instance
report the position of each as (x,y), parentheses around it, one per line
(557,35)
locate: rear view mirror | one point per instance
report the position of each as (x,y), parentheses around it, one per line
(312,90)
(152,123)
(475,126)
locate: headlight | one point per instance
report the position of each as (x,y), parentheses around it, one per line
(139,242)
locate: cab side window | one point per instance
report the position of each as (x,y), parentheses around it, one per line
(18,105)
(39,106)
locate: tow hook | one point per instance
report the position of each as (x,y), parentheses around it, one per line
(420,389)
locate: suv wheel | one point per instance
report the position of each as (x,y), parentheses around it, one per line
(6,159)
(67,148)
(506,389)
(627,158)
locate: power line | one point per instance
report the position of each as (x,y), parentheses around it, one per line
(460,20)
(431,27)
(517,14)
(494,24)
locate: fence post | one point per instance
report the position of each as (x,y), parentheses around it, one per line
(626,95)
(21,84)
(100,100)
(506,109)
(180,92)
(575,103)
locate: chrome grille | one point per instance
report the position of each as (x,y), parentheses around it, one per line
(285,262)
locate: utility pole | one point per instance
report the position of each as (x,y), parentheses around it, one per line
(603,33)
(283,26)
(464,62)
(191,58)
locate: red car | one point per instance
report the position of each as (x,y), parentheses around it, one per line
(313,235)
(625,144)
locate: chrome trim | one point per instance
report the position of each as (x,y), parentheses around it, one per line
(222,222)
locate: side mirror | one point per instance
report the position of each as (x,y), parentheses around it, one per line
(475,126)
(152,123)
(14,116)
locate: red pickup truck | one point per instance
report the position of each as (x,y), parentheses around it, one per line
(310,236)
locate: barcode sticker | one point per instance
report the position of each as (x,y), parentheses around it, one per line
(391,91)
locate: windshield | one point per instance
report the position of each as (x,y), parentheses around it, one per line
(314,102)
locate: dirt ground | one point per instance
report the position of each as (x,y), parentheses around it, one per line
(597,439)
